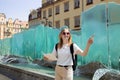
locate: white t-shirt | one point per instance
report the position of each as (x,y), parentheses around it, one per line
(64,55)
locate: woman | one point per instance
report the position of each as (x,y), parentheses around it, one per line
(63,70)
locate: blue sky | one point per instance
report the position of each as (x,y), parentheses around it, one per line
(18,8)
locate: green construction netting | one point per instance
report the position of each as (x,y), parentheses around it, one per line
(94,23)
(34,42)
(113,35)
(102,20)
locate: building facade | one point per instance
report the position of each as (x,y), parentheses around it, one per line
(10,27)
(35,17)
(2,24)
(57,13)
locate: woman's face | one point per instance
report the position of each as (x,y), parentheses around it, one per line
(65,34)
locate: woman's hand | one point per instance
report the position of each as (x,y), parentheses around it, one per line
(91,40)
(45,57)
(49,57)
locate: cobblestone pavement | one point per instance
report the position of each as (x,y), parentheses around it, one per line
(2,77)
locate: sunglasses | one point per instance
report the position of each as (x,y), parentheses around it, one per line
(66,33)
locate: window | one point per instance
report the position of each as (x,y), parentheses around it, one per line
(76,3)
(49,0)
(57,24)
(89,2)
(30,17)
(50,12)
(57,10)
(66,6)
(39,14)
(44,14)
(77,21)
(49,23)
(66,22)
(34,15)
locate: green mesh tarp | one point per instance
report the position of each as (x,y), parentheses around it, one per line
(104,22)
(113,35)
(5,46)
(94,23)
(17,44)
(34,42)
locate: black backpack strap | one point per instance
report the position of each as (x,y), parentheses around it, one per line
(56,48)
(72,51)
(74,57)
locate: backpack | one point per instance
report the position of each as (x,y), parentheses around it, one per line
(74,58)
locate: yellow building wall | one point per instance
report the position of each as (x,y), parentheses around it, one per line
(63,15)
(71,13)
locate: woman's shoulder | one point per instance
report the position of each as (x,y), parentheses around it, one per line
(74,44)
